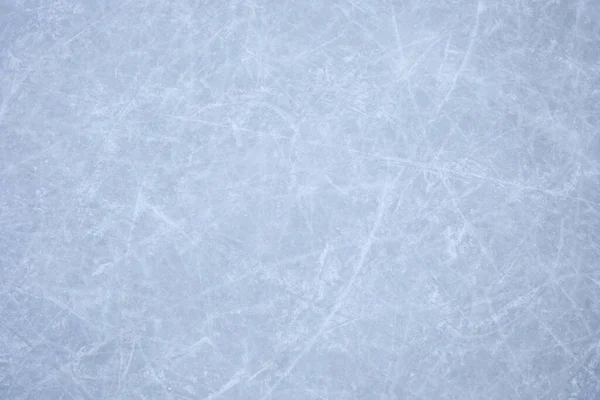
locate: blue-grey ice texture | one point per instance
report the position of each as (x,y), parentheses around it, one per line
(316,199)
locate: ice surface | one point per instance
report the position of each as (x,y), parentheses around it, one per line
(320,199)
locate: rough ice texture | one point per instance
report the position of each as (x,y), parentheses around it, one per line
(320,199)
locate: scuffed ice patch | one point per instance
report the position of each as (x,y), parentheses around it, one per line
(325,199)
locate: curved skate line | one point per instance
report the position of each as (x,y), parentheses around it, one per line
(366,248)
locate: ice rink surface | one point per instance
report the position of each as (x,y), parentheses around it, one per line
(320,199)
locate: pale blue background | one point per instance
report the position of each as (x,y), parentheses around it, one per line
(326,199)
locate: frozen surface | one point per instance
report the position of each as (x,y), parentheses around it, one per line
(326,199)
